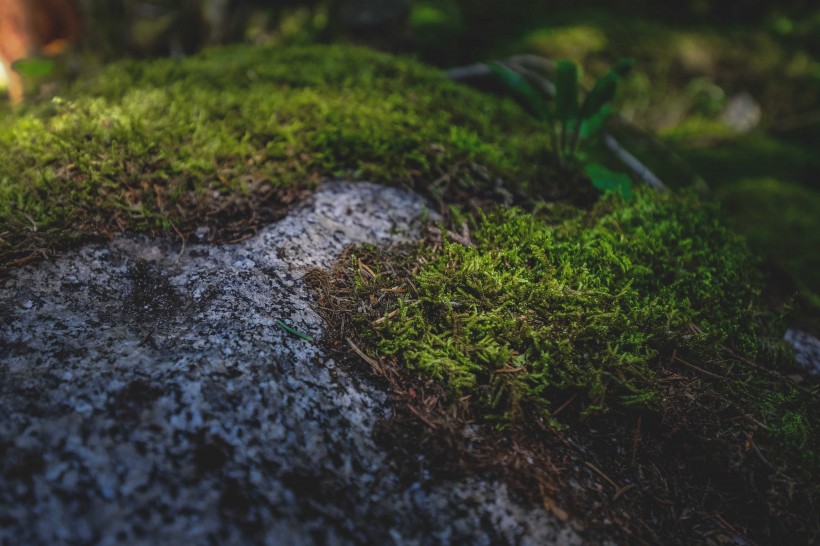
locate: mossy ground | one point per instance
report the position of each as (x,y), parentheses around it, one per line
(561,323)
(636,325)
(590,303)
(227,138)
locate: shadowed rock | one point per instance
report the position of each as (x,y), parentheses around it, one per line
(148,396)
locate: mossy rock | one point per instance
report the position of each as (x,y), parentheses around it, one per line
(226,138)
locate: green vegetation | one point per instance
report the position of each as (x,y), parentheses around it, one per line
(648,308)
(792,418)
(226,138)
(592,303)
(570,120)
(638,333)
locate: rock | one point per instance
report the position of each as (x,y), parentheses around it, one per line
(742,113)
(806,349)
(149,396)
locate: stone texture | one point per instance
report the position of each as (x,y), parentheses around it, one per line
(148,396)
(806,349)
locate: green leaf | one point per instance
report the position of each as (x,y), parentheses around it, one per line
(604,90)
(33,67)
(524,93)
(606,180)
(593,126)
(294,332)
(566,91)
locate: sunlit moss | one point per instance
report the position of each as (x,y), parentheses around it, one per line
(593,303)
(150,144)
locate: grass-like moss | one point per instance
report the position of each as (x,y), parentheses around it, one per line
(220,138)
(637,328)
(593,303)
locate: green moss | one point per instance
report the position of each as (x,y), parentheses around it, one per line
(215,139)
(792,421)
(596,303)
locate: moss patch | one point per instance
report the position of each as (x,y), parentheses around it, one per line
(625,349)
(226,138)
(533,308)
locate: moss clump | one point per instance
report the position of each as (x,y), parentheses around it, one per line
(792,421)
(593,303)
(222,138)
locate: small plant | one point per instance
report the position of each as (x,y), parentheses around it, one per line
(570,119)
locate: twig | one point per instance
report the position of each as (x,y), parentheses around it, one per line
(481,70)
(565,405)
(426,421)
(601,473)
(372,361)
(535,62)
(389,315)
(658,146)
(623,490)
(182,237)
(510,370)
(701,370)
(477,70)
(397,290)
(633,163)
(364,267)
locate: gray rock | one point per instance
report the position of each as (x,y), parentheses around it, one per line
(806,349)
(148,396)
(742,113)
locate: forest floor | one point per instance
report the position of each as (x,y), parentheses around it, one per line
(728,451)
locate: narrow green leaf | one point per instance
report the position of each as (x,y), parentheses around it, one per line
(33,67)
(604,90)
(566,91)
(524,93)
(606,180)
(294,332)
(593,126)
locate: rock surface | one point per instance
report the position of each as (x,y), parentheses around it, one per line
(148,396)
(806,349)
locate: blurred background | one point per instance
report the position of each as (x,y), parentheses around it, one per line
(728,90)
